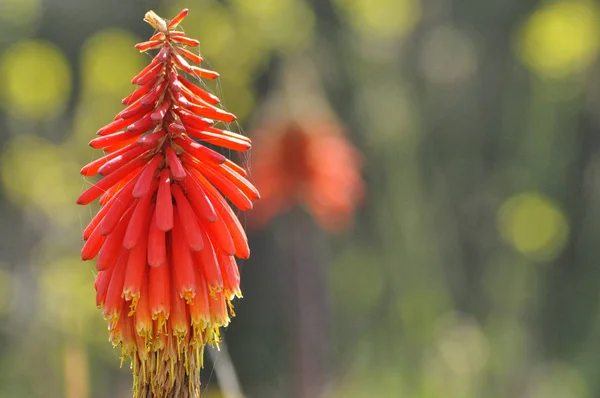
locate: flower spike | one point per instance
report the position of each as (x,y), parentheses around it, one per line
(166,237)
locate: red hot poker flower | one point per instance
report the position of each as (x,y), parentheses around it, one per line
(310,163)
(165,237)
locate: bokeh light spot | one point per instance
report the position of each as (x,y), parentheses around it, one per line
(37,172)
(20,12)
(391,19)
(560,38)
(36,79)
(109,61)
(284,25)
(534,225)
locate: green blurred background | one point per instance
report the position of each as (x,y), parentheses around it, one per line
(472,268)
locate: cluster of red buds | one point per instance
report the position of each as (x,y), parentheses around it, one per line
(165,236)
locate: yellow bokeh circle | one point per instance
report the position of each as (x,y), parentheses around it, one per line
(533,225)
(20,12)
(35,172)
(110,61)
(561,38)
(382,19)
(35,79)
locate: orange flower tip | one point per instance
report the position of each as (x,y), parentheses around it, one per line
(184,40)
(148,45)
(112,317)
(209,74)
(243,255)
(84,170)
(157,36)
(156,22)
(82,200)
(160,316)
(177,19)
(143,328)
(131,295)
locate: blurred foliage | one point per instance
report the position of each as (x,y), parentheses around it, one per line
(472,268)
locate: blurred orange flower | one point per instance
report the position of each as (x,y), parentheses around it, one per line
(309,163)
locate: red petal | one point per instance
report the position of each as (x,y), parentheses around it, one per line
(113,246)
(148,73)
(114,302)
(198,199)
(104,184)
(159,293)
(92,168)
(138,225)
(114,139)
(177,19)
(157,36)
(148,45)
(152,140)
(236,232)
(143,320)
(236,168)
(161,111)
(119,161)
(218,309)
(188,220)
(122,201)
(242,183)
(184,40)
(122,144)
(177,170)
(200,309)
(115,126)
(184,280)
(157,250)
(199,151)
(164,202)
(93,245)
(206,96)
(178,317)
(140,91)
(190,55)
(101,285)
(227,187)
(208,263)
(231,276)
(133,110)
(148,173)
(136,268)
(112,191)
(142,125)
(152,96)
(192,120)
